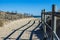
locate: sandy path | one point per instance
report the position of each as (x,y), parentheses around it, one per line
(27,33)
(16,34)
(7,29)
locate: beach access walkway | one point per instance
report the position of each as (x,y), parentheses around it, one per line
(26,29)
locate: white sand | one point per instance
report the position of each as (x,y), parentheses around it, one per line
(8,28)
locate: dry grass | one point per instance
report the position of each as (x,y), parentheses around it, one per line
(1,23)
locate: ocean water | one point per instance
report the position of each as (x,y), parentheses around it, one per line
(37,16)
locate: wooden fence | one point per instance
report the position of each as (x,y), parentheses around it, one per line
(53,16)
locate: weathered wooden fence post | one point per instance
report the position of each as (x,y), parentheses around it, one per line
(42,16)
(45,34)
(55,20)
(52,21)
(43,21)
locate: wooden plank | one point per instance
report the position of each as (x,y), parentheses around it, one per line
(54,26)
(55,14)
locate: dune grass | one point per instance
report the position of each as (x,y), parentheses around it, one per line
(1,23)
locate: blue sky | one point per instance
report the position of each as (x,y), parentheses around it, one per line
(28,6)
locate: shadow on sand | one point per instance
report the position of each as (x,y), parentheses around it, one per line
(38,33)
(16,30)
